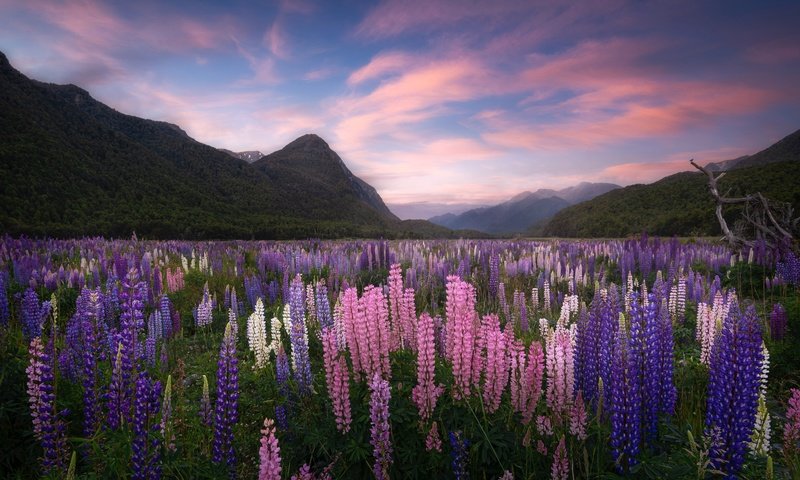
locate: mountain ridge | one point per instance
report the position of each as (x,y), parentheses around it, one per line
(520,212)
(96,171)
(680,204)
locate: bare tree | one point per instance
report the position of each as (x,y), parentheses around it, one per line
(761,218)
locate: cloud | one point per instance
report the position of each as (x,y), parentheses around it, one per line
(381,65)
(276,41)
(394,17)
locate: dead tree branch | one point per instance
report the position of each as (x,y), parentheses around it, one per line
(758,219)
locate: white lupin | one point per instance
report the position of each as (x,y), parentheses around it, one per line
(257,335)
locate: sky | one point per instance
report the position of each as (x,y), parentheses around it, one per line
(440,105)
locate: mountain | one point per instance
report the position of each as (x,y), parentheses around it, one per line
(523,210)
(786,150)
(680,204)
(249,156)
(72,166)
(308,167)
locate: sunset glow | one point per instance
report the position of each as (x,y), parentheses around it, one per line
(446,102)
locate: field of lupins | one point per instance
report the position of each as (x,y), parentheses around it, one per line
(642,358)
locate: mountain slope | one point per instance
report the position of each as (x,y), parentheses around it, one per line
(307,166)
(675,205)
(785,150)
(73,166)
(523,210)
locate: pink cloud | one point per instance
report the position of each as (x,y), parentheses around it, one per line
(426,88)
(394,17)
(276,41)
(319,74)
(381,65)
(95,24)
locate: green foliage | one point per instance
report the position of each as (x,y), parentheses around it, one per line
(676,205)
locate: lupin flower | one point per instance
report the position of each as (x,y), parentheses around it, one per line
(226,408)
(5,313)
(234,321)
(733,388)
(323,306)
(498,363)
(167,428)
(426,392)
(115,397)
(269,453)
(777,322)
(39,361)
(461,336)
(282,379)
(577,418)
(131,323)
(338,380)
(379,432)
(760,440)
(204,313)
(146,446)
(275,335)
(257,335)
(33,314)
(299,338)
(494,275)
(560,370)
(560,468)
(791,429)
(624,400)
(50,422)
(433,441)
(205,405)
(395,284)
(459,452)
(527,372)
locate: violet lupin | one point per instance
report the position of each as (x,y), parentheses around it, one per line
(39,360)
(379,432)
(5,314)
(777,322)
(31,314)
(323,306)
(131,322)
(299,338)
(91,410)
(733,387)
(226,408)
(282,379)
(624,403)
(494,275)
(115,396)
(146,446)
(46,420)
(459,451)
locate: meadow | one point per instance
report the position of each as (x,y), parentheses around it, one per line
(635,358)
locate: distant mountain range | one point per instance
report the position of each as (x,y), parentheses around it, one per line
(680,204)
(72,166)
(524,210)
(249,156)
